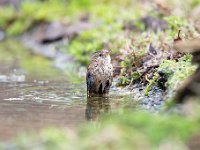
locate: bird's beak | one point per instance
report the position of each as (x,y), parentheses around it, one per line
(106,52)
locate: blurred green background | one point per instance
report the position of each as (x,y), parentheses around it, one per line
(76,28)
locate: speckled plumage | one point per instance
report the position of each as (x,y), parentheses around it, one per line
(99,73)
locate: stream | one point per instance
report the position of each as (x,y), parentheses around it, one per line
(34,94)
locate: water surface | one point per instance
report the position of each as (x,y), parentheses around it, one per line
(35,95)
(32,106)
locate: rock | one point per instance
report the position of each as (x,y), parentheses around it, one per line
(47,50)
(56,31)
(52,33)
(75,29)
(46,38)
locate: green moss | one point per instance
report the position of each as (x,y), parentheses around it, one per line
(44,11)
(195,3)
(6,15)
(31,12)
(19,27)
(175,24)
(135,75)
(124,80)
(178,71)
(110,13)
(16,22)
(151,82)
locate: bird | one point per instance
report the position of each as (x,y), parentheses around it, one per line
(99,74)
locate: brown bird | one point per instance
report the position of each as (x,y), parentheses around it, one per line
(99,73)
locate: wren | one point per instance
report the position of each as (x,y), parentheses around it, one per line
(99,74)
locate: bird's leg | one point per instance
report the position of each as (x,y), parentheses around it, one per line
(107,87)
(100,89)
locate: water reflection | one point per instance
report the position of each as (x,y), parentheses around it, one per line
(95,106)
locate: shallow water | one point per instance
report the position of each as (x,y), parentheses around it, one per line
(34,95)
(30,106)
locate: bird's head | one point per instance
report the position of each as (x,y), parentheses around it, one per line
(102,57)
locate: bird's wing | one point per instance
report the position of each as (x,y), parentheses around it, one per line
(90,80)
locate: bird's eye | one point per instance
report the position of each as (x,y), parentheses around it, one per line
(100,55)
